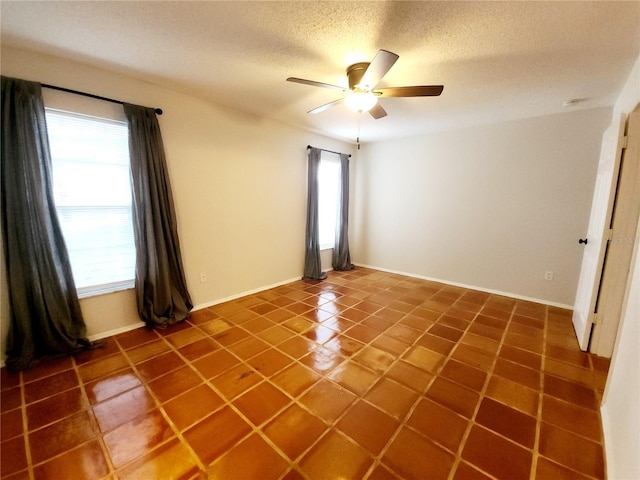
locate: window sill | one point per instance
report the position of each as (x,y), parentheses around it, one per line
(95,290)
(327,247)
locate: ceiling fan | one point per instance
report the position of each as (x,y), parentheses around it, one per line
(362,94)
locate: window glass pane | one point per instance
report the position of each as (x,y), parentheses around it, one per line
(92,192)
(328,192)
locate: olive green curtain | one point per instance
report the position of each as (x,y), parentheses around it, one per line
(312,263)
(161,289)
(341,259)
(45,312)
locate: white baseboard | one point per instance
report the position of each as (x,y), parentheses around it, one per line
(116,331)
(244,294)
(471,287)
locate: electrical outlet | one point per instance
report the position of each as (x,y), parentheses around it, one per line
(548,275)
(203,277)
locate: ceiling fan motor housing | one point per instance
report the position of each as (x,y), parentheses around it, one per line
(355,73)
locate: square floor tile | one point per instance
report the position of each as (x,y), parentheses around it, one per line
(198,349)
(473,357)
(185,337)
(173,459)
(576,419)
(51,385)
(236,380)
(215,363)
(160,365)
(85,461)
(297,346)
(193,405)
(252,458)
(424,359)
(174,383)
(523,357)
(506,421)
(103,366)
(148,350)
(354,377)
(435,344)
(571,450)
(13,457)
(327,400)
(295,379)
(68,433)
(546,469)
(334,456)
(269,362)
(123,408)
(55,408)
(392,397)
(137,437)
(438,424)
(453,396)
(374,358)
(294,430)
(368,426)
(214,435)
(415,458)
(11,424)
(322,360)
(111,385)
(565,390)
(410,376)
(506,461)
(261,403)
(463,374)
(518,373)
(513,394)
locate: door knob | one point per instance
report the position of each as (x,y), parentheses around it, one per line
(583,240)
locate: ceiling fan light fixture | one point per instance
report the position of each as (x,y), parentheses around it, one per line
(359,101)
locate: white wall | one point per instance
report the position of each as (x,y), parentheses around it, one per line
(492,207)
(621,404)
(239,185)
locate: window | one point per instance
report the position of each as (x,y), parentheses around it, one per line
(92,193)
(328,194)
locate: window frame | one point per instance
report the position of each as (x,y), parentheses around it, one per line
(109,113)
(333,159)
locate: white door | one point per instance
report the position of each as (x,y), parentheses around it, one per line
(619,252)
(598,231)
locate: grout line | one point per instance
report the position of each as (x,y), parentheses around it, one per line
(536,442)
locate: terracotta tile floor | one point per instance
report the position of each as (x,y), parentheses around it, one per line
(364,375)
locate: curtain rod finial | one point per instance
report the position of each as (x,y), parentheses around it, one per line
(158,111)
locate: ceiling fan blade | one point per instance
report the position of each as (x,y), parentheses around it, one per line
(377,111)
(322,108)
(379,66)
(316,84)
(415,91)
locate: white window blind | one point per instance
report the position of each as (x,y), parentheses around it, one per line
(328,192)
(92,193)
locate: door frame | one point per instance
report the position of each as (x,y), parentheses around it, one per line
(620,245)
(598,231)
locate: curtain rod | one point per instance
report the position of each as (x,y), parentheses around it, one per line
(90,95)
(324,150)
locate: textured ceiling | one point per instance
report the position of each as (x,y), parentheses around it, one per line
(497,60)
